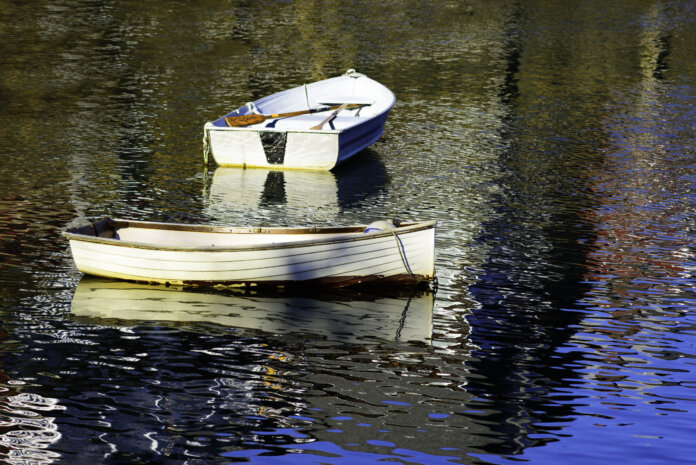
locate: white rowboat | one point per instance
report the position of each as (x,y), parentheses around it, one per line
(182,254)
(330,121)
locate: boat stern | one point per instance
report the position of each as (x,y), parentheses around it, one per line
(256,148)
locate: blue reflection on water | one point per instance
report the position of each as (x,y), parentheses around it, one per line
(395,402)
(322,452)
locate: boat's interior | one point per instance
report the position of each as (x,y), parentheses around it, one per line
(174,238)
(343,120)
(187,236)
(373,99)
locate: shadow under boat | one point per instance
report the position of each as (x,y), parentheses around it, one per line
(327,192)
(342,316)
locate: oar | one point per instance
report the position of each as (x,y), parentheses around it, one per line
(330,117)
(248,120)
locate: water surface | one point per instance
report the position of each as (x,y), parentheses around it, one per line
(553,144)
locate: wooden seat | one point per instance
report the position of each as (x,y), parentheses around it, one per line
(307,121)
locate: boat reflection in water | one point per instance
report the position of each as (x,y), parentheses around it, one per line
(317,195)
(254,188)
(338,316)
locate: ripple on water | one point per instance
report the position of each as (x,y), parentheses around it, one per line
(27,432)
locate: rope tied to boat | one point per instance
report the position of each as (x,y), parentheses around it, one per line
(404,260)
(385,225)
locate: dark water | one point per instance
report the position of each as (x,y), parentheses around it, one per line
(553,142)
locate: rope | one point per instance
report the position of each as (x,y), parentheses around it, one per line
(404,260)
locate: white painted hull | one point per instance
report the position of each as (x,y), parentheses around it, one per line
(289,142)
(344,317)
(203,255)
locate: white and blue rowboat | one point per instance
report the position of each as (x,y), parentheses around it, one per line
(315,126)
(180,254)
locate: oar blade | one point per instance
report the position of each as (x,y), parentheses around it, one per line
(244,120)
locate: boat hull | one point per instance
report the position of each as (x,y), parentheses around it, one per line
(289,142)
(401,256)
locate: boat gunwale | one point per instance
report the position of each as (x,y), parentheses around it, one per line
(378,85)
(209,126)
(349,234)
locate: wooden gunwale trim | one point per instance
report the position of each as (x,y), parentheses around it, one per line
(117,223)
